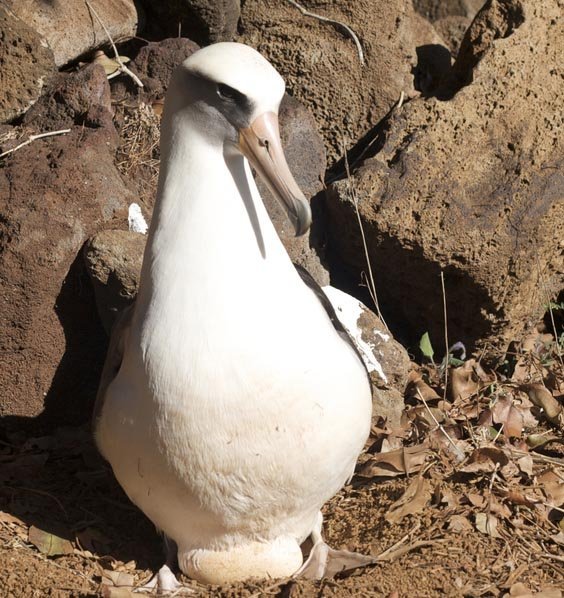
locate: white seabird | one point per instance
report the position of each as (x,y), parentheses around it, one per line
(230,407)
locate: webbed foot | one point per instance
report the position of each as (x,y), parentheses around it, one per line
(324,561)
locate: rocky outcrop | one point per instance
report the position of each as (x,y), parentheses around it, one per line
(54,194)
(81,98)
(71,28)
(386,361)
(113,259)
(26,65)
(321,64)
(154,65)
(204,21)
(434,10)
(472,187)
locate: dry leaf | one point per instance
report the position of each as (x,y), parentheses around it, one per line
(416,497)
(475,499)
(504,412)
(459,524)
(543,398)
(487,524)
(47,543)
(525,464)
(518,498)
(485,460)
(118,578)
(416,385)
(535,441)
(499,508)
(110,65)
(398,462)
(464,381)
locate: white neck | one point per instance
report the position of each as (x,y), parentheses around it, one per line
(210,239)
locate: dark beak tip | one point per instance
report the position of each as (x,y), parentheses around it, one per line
(302,222)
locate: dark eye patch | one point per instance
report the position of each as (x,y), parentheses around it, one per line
(232,95)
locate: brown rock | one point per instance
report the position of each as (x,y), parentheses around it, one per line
(26,65)
(81,98)
(452,30)
(204,21)
(386,360)
(435,10)
(113,259)
(473,187)
(71,29)
(154,65)
(54,193)
(321,64)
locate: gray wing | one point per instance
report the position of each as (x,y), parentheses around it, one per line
(114,358)
(310,282)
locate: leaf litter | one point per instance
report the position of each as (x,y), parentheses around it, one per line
(465,496)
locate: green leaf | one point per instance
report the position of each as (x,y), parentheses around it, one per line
(426,347)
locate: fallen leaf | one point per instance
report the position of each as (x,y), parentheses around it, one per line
(395,463)
(486,523)
(499,508)
(459,524)
(118,578)
(110,65)
(47,543)
(504,412)
(485,459)
(464,381)
(416,497)
(417,386)
(518,498)
(542,397)
(535,441)
(525,464)
(475,499)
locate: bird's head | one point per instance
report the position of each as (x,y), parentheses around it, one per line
(233,95)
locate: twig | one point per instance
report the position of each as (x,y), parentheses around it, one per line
(456,449)
(536,456)
(122,66)
(382,556)
(547,299)
(351,33)
(32,138)
(370,283)
(446,333)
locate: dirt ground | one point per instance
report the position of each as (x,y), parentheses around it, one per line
(449,510)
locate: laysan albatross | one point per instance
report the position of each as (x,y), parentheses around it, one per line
(230,407)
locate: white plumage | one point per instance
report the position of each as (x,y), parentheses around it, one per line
(230,410)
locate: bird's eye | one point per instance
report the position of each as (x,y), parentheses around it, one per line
(228,93)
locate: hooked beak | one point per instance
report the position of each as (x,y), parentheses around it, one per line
(260,144)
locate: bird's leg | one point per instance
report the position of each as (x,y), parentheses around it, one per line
(324,561)
(164,580)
